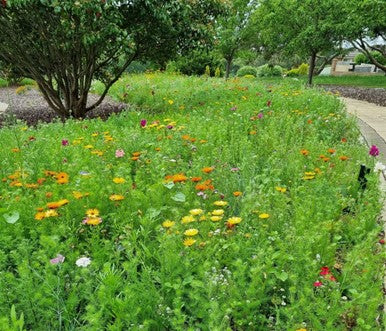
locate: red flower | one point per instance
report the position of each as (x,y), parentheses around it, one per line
(324,271)
(318,284)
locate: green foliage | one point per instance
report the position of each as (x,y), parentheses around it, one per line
(247,70)
(217,72)
(298,212)
(207,71)
(302,70)
(195,63)
(269,70)
(363,58)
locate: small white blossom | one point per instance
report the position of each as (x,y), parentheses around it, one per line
(83,262)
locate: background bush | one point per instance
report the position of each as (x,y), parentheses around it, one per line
(247,70)
(269,70)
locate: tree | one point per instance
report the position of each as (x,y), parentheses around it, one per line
(234,31)
(366,29)
(303,27)
(64,45)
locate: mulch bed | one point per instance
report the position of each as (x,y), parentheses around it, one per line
(30,107)
(373,95)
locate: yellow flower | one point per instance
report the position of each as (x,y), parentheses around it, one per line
(280,189)
(264,216)
(89,146)
(196,212)
(97,152)
(220,203)
(301,330)
(93,220)
(308,177)
(237,193)
(116,197)
(215,218)
(40,215)
(189,242)
(79,195)
(118,180)
(170,102)
(203,218)
(168,224)
(191,232)
(92,212)
(234,220)
(188,219)
(218,212)
(50,213)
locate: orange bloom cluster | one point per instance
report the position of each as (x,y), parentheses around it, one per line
(207,185)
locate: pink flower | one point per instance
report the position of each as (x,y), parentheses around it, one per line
(170,127)
(318,284)
(65,142)
(119,153)
(143,123)
(58,259)
(374,151)
(260,115)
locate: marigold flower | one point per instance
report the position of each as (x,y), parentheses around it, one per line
(331,150)
(135,158)
(207,170)
(116,197)
(118,180)
(220,203)
(237,193)
(57,204)
(168,224)
(189,242)
(304,152)
(343,158)
(177,178)
(39,216)
(191,232)
(264,216)
(196,179)
(135,154)
(62,178)
(196,212)
(185,137)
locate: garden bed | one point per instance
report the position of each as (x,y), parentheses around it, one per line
(216,205)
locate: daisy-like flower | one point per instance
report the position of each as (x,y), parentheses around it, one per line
(280,189)
(264,216)
(50,213)
(57,204)
(188,219)
(168,224)
(119,153)
(62,178)
(116,197)
(92,220)
(207,170)
(118,180)
(220,203)
(218,212)
(40,215)
(196,212)
(189,242)
(234,220)
(83,262)
(216,218)
(92,212)
(191,232)
(237,193)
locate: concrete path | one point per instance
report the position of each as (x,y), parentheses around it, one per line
(3,107)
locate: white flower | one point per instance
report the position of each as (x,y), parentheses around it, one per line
(83,262)
(379,167)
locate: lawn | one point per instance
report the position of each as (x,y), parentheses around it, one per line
(377,81)
(210,205)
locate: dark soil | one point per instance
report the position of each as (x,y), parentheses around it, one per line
(30,107)
(373,95)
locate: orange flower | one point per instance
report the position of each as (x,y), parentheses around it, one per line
(57,204)
(62,178)
(16,150)
(49,194)
(185,137)
(237,193)
(343,140)
(196,179)
(326,159)
(135,158)
(39,216)
(304,152)
(136,154)
(40,181)
(205,186)
(331,150)
(343,158)
(207,170)
(177,178)
(116,197)
(157,149)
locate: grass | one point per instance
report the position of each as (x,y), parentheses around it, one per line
(210,205)
(378,81)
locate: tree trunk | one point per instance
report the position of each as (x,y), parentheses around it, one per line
(228,67)
(364,48)
(311,68)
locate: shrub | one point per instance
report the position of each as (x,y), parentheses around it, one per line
(269,70)
(302,70)
(363,58)
(195,63)
(247,70)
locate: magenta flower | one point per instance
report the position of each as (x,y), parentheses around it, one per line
(119,153)
(65,142)
(143,123)
(170,127)
(260,115)
(58,259)
(374,151)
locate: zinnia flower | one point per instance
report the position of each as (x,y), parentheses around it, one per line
(374,151)
(119,153)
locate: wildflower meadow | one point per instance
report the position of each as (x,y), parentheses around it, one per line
(209,204)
